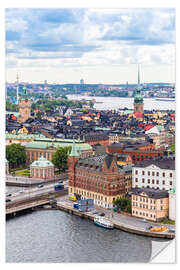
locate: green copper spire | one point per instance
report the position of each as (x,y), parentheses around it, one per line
(24,93)
(138,99)
(74,152)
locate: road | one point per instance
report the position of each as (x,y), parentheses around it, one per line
(123,219)
(33,192)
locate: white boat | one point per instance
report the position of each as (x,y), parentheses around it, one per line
(104,223)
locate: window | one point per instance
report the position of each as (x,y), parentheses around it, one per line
(163,174)
(163,182)
(148,173)
(170,183)
(170,175)
(152,173)
(153,181)
(136,180)
(157,174)
(142,172)
(161,208)
(142,180)
(136,172)
(157,182)
(148,181)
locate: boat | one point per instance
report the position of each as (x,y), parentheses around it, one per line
(103,222)
(158,229)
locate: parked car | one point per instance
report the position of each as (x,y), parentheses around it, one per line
(102,214)
(144,220)
(93,211)
(148,227)
(171,231)
(8,195)
(21,191)
(61,181)
(40,186)
(8,200)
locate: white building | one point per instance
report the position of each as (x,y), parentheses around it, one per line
(158,174)
(172,204)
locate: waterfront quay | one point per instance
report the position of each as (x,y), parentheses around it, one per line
(120,221)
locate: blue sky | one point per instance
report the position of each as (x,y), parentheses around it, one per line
(99,45)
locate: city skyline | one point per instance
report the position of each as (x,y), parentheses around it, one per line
(98,45)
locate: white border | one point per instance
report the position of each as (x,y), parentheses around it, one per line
(68,4)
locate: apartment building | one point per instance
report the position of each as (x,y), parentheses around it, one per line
(154,173)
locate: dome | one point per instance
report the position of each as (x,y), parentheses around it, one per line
(42,162)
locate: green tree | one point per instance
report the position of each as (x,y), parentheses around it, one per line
(123,204)
(91,104)
(16,155)
(59,158)
(39,115)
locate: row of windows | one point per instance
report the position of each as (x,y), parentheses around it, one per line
(153,173)
(149,181)
(137,198)
(144,206)
(92,195)
(143,214)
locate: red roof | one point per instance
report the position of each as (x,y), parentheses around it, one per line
(147,127)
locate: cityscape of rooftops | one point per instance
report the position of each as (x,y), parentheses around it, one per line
(90,133)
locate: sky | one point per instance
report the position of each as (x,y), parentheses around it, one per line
(99,45)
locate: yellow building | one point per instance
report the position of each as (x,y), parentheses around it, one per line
(148,203)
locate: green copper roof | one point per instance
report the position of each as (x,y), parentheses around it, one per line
(74,152)
(172,190)
(24,136)
(42,162)
(45,145)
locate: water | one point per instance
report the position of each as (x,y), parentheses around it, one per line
(115,103)
(56,236)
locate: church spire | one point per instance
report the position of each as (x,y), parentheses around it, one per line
(138,76)
(74,152)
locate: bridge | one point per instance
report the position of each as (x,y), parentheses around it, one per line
(31,199)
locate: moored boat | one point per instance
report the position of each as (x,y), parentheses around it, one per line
(104,223)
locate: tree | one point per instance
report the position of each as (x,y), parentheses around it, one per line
(39,115)
(59,158)
(123,204)
(16,155)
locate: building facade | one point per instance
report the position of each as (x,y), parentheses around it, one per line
(137,151)
(47,147)
(97,178)
(157,174)
(6,166)
(172,204)
(42,169)
(149,203)
(24,107)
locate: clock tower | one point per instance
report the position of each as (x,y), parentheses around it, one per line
(24,107)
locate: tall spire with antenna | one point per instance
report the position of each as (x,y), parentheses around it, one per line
(17,89)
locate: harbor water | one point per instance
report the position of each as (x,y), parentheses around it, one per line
(55,236)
